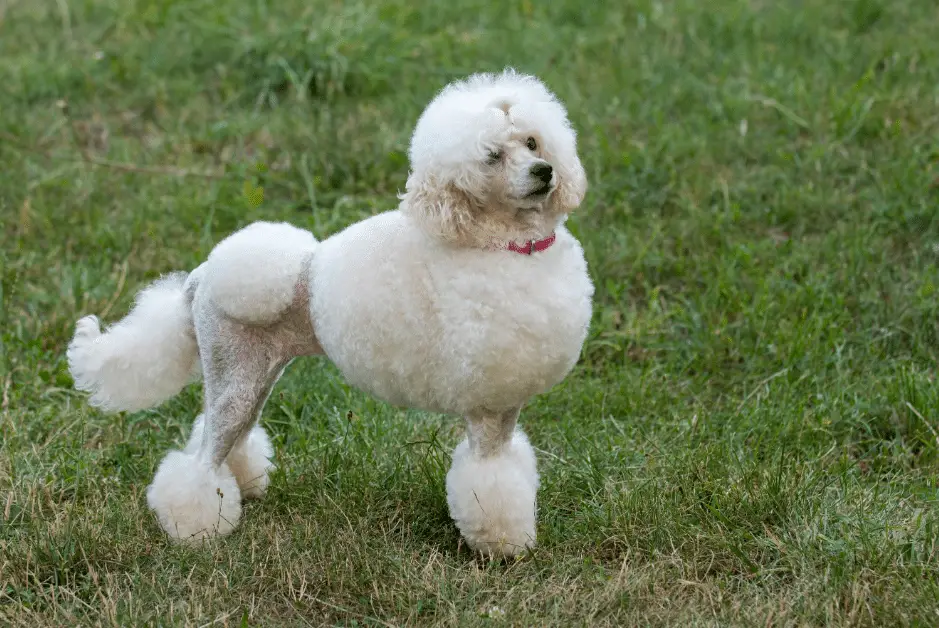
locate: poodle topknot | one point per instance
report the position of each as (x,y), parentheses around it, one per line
(469,299)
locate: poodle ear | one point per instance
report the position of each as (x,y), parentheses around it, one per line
(572,186)
(444,209)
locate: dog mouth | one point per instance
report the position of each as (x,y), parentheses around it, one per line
(543,190)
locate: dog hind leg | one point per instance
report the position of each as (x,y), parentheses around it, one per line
(196,493)
(249,460)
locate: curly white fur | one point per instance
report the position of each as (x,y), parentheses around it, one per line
(472,167)
(492,498)
(422,306)
(142,360)
(447,330)
(194,499)
(250,460)
(253,272)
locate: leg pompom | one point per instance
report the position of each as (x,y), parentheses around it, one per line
(250,460)
(193,500)
(492,498)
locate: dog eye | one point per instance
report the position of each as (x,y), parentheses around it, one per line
(531,143)
(494,157)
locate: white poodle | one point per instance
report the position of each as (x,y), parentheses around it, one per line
(469,299)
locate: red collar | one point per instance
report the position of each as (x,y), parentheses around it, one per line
(532,246)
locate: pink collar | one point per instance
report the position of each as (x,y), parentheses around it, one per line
(532,246)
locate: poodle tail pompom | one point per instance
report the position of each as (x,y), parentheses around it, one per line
(144,359)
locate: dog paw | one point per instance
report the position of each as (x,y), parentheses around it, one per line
(492,498)
(192,500)
(250,462)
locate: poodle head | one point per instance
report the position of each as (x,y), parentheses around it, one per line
(493,159)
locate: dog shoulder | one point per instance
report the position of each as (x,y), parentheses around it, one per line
(253,274)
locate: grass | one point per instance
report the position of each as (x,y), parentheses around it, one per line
(750,437)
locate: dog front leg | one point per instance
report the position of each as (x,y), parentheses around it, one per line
(492,485)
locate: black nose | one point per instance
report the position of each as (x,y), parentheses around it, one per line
(543,172)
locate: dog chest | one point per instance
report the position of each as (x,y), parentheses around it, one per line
(448,331)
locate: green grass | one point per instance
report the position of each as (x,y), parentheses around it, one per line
(751,437)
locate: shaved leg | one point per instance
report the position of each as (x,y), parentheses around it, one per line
(197,492)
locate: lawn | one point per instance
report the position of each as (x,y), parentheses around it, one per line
(750,438)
